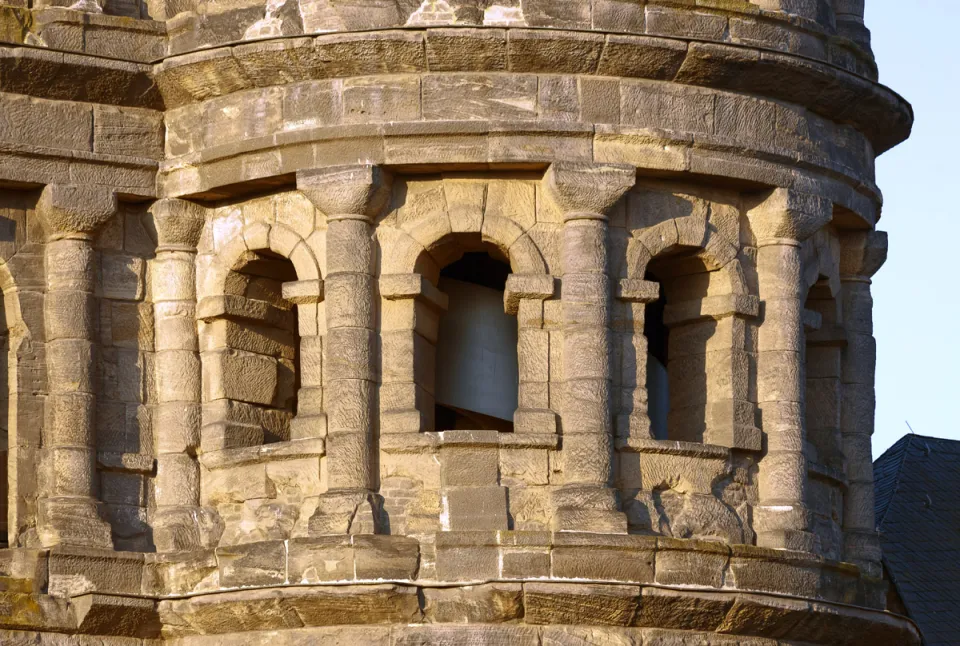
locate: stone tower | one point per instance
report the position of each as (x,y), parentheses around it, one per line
(536,322)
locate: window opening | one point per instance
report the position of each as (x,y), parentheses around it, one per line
(477,374)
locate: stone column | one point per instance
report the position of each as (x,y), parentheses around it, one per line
(780,223)
(350,197)
(176,426)
(585,193)
(69,509)
(862,255)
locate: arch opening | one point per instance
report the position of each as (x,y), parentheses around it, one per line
(477,373)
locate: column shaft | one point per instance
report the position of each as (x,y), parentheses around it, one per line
(783,518)
(351,354)
(587,437)
(69,511)
(177,422)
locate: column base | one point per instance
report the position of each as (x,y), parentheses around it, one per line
(594,509)
(177,529)
(351,511)
(783,527)
(73,522)
(789,539)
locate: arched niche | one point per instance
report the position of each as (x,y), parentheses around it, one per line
(262,343)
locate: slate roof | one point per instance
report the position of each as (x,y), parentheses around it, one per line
(918,517)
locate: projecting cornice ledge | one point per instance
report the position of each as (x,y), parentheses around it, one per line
(841,96)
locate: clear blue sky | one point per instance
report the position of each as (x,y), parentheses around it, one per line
(917,309)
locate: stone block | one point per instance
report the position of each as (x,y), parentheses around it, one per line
(683,610)
(492,603)
(76,570)
(697,563)
(580,603)
(467,555)
(479,96)
(252,564)
(475,508)
(386,557)
(320,559)
(466,466)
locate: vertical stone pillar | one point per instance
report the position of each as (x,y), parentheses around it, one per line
(632,426)
(524,297)
(176,427)
(862,255)
(585,193)
(351,197)
(69,509)
(410,321)
(780,223)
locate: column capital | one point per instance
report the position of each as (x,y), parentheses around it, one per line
(587,190)
(67,211)
(178,223)
(346,192)
(862,254)
(784,215)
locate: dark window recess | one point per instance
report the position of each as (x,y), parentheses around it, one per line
(658,387)
(477,376)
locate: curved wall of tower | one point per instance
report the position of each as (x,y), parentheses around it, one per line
(259,392)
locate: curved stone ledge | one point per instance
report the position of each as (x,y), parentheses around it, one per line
(628,582)
(827,90)
(279,451)
(267,162)
(737,22)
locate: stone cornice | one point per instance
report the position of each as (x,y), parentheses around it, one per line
(835,93)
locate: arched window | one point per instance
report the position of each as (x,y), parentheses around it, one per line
(477,372)
(252,349)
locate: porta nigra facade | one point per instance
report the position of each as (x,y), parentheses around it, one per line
(256,392)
